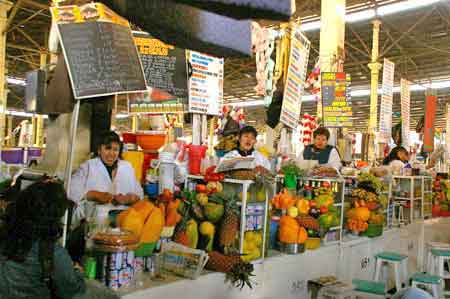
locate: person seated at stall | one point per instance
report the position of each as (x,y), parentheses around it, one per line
(105,179)
(246,148)
(412,293)
(32,263)
(397,154)
(321,151)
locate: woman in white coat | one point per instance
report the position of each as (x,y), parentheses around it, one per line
(104,180)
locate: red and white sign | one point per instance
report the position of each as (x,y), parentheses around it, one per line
(296,77)
(386,101)
(430,117)
(405,107)
(205,84)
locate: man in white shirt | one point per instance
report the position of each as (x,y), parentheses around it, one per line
(246,148)
(325,154)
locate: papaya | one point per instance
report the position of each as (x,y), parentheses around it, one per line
(144,207)
(213,211)
(192,233)
(153,226)
(133,221)
(121,217)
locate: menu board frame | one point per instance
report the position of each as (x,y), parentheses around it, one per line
(97,14)
(336,104)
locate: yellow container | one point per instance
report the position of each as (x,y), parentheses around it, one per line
(312,243)
(137,161)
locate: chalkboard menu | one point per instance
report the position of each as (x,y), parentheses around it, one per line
(102,59)
(165,67)
(336,100)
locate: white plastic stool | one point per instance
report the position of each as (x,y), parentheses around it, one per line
(438,260)
(400,263)
(431,282)
(401,218)
(433,245)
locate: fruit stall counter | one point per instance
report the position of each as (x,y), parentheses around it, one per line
(286,276)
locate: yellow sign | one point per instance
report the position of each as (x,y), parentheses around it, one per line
(90,12)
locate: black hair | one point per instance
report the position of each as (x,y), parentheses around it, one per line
(248,129)
(107,139)
(393,155)
(321,131)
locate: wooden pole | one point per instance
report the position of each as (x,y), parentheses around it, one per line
(5,6)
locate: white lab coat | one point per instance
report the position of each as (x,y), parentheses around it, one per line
(93,176)
(260,159)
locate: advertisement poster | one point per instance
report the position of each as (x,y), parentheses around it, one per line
(386,101)
(405,111)
(447,127)
(296,76)
(430,117)
(205,83)
(336,102)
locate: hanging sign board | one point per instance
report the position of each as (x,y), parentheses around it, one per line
(295,80)
(405,111)
(205,83)
(386,101)
(336,102)
(430,117)
(99,51)
(165,68)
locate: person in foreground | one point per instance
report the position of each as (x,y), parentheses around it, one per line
(105,179)
(246,148)
(320,151)
(412,293)
(32,264)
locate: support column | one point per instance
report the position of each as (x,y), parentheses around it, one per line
(374,67)
(39,126)
(134,123)
(332,35)
(11,140)
(5,6)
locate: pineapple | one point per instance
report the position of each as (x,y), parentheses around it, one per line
(230,224)
(236,270)
(181,236)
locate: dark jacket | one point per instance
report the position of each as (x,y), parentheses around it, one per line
(23,280)
(322,155)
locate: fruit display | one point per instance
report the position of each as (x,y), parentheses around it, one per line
(306,217)
(252,245)
(441,198)
(366,207)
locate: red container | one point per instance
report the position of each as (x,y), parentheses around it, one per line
(151,141)
(129,138)
(196,154)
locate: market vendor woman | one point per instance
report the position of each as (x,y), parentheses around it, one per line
(320,151)
(246,148)
(105,179)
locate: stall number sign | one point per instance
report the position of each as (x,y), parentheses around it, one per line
(336,100)
(205,83)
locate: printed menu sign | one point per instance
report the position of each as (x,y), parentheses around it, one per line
(296,76)
(165,68)
(386,101)
(336,100)
(205,83)
(405,109)
(99,51)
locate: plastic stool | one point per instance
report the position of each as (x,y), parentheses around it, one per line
(336,293)
(439,258)
(369,289)
(429,247)
(400,263)
(432,282)
(401,218)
